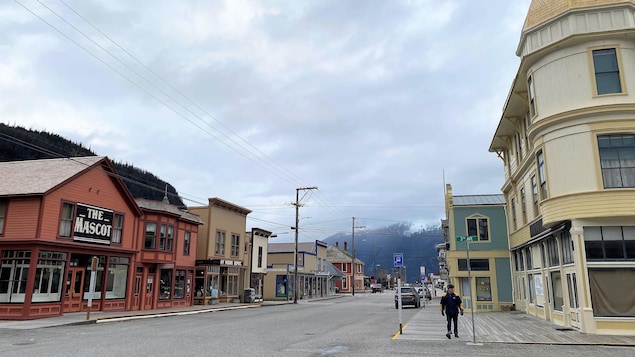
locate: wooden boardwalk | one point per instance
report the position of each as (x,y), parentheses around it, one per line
(503,327)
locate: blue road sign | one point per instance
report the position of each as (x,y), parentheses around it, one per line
(398,259)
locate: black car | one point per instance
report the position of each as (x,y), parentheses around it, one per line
(409,296)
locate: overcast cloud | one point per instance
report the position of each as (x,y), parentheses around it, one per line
(371,101)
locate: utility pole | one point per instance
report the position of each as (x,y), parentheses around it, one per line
(295,252)
(353,248)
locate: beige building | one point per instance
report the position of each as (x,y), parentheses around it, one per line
(313,271)
(222,252)
(567,141)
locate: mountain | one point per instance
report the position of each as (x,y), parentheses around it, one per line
(380,244)
(17,143)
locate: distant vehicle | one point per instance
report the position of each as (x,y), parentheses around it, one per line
(409,296)
(420,291)
(377,288)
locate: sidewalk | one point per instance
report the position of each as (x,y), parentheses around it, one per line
(502,327)
(78,318)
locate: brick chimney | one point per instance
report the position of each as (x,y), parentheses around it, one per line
(346,246)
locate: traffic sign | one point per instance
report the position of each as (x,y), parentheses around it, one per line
(467,239)
(398,259)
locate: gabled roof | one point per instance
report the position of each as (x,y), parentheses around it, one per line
(478,200)
(166,207)
(337,255)
(36,177)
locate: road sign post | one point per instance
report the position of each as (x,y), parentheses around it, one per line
(469,239)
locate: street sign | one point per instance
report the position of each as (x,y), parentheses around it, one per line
(467,239)
(398,259)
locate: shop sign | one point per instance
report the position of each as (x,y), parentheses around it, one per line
(93,224)
(231,262)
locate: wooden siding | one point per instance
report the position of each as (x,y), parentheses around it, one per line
(22,218)
(92,187)
(607,203)
(569,160)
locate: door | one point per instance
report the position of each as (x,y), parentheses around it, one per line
(574,308)
(75,289)
(136,293)
(148,298)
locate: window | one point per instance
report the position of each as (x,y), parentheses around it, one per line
(99,277)
(566,246)
(117,278)
(475,264)
(532,97)
(359,268)
(344,267)
(478,227)
(556,282)
(534,191)
(513,206)
(150,236)
(165,284)
(14,270)
(66,221)
(617,160)
(117,228)
(162,237)
(609,243)
(610,292)
(170,238)
(49,277)
(235,245)
(607,72)
(526,125)
(3,214)
(519,149)
(186,243)
(259,257)
(523,205)
(530,260)
(483,289)
(179,284)
(220,243)
(552,251)
(540,159)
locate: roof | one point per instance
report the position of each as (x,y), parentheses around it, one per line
(333,271)
(337,255)
(478,200)
(166,207)
(36,177)
(307,247)
(541,11)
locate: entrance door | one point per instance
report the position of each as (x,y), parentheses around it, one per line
(574,308)
(148,299)
(75,288)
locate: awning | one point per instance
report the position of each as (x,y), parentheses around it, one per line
(544,234)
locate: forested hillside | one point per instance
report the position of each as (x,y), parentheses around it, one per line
(17,143)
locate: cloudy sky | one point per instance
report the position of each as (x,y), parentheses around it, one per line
(374,102)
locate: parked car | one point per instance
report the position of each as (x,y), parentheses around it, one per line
(409,296)
(377,288)
(420,291)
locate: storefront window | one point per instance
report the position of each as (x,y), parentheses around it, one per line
(179,284)
(48,277)
(212,286)
(558,300)
(99,278)
(165,286)
(117,279)
(231,286)
(483,289)
(14,270)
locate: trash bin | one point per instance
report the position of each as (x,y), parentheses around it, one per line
(250,296)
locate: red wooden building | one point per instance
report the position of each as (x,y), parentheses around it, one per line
(57,214)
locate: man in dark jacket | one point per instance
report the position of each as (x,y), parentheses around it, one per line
(450,306)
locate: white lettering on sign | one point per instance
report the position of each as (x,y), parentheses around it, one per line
(93,224)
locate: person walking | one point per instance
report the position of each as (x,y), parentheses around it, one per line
(451,304)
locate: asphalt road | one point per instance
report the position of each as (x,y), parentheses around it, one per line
(362,325)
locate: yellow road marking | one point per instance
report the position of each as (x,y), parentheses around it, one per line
(394,337)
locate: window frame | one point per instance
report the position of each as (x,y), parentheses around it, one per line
(542,174)
(235,245)
(187,237)
(531,95)
(478,226)
(523,205)
(117,227)
(219,246)
(153,237)
(70,221)
(618,71)
(606,172)
(4,203)
(534,192)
